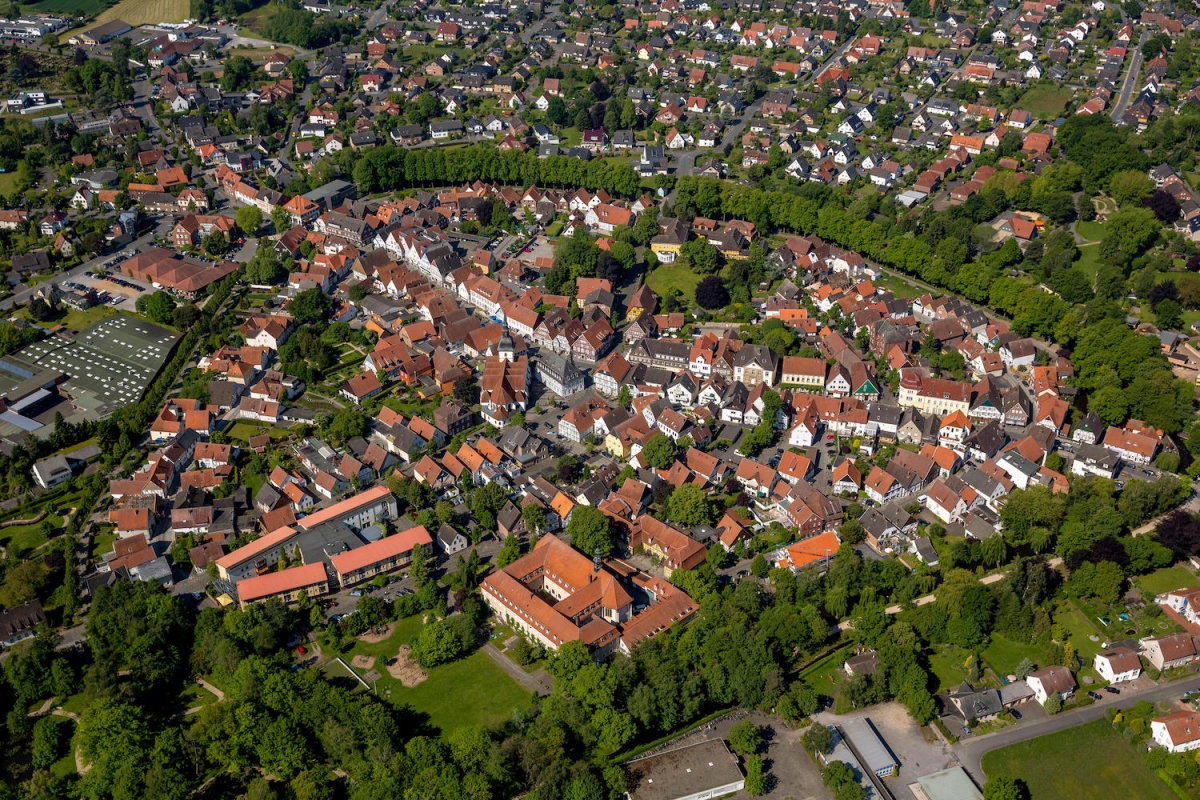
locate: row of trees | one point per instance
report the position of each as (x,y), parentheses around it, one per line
(388,168)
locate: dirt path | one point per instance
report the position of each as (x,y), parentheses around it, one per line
(537,681)
(206,685)
(43,710)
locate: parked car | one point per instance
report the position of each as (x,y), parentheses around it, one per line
(356,593)
(1015,714)
(1095,695)
(1112,690)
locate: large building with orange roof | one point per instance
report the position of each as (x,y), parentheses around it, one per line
(555,595)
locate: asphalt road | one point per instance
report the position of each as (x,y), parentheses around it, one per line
(970,751)
(1118,109)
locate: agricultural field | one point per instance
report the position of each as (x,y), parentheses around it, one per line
(1083,762)
(135,12)
(73,7)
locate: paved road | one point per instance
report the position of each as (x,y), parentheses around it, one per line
(1118,109)
(378,16)
(971,750)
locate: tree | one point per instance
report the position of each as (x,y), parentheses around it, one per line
(1130,187)
(1169,315)
(818,739)
(1107,582)
(466,390)
(265,268)
(444,640)
(756,780)
(48,738)
(238,74)
(659,451)
(1053,704)
(1164,205)
(249,219)
(215,243)
(701,256)
(1002,787)
(281,218)
(185,316)
(310,306)
(590,530)
(535,518)
(711,293)
(159,307)
(745,738)
(689,506)
(759,566)
(509,552)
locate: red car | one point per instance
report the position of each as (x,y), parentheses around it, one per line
(301,651)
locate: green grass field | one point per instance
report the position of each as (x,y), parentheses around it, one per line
(817,676)
(1003,655)
(1083,762)
(674,276)
(473,691)
(1089,260)
(948,664)
(1092,231)
(102,545)
(1045,102)
(28,537)
(1081,630)
(1164,580)
(243,430)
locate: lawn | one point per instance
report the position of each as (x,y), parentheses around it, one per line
(473,691)
(244,430)
(8,183)
(1045,102)
(1092,231)
(28,537)
(949,665)
(1165,580)
(898,287)
(817,676)
(1084,762)
(1089,260)
(102,544)
(1081,629)
(674,276)
(1003,655)
(65,765)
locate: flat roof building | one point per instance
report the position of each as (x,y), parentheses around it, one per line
(949,784)
(697,772)
(872,753)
